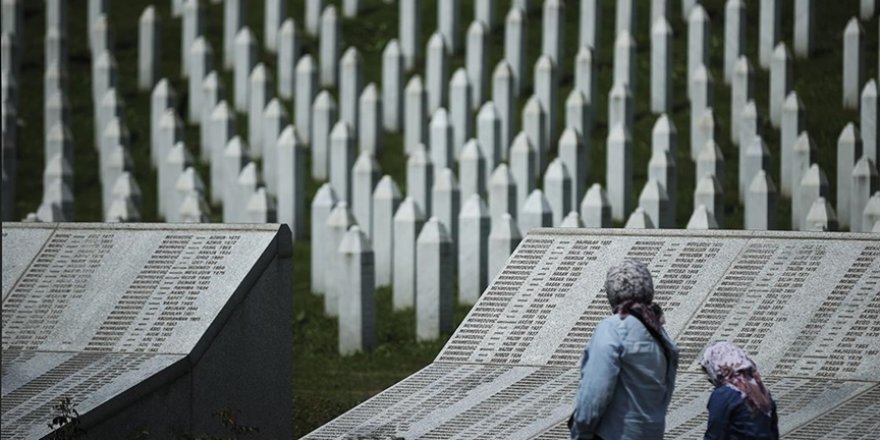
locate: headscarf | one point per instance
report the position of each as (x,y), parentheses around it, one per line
(728,365)
(630,291)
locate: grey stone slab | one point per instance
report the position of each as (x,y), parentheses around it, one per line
(153,311)
(521,343)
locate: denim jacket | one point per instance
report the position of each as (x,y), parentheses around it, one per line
(626,383)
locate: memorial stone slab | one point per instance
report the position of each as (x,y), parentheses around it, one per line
(151,365)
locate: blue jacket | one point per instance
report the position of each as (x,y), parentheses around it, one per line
(730,418)
(626,383)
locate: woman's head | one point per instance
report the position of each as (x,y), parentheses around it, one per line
(629,281)
(727,364)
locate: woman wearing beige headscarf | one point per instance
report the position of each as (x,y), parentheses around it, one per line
(740,407)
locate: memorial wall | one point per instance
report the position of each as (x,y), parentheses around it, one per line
(805,305)
(146,327)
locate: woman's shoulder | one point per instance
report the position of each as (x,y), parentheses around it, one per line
(725,395)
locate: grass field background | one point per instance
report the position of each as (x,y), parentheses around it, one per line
(326,384)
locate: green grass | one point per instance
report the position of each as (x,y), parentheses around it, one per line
(326,384)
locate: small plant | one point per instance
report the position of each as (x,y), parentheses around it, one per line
(65,425)
(229,421)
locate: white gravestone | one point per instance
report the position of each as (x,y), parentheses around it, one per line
(781,82)
(193,28)
(364,176)
(370,120)
(460,114)
(868,120)
(590,24)
(734,36)
(434,288)
(575,155)
(849,151)
(274,13)
(769,30)
(558,189)
(503,240)
(804,27)
(523,166)
(410,31)
(654,200)
(392,86)
(742,90)
(420,178)
(484,12)
(288,54)
(821,216)
(306,91)
(502,193)
(322,204)
(535,213)
(639,219)
(408,222)
(329,46)
(357,301)
(585,77)
(761,203)
(814,184)
(710,194)
(489,136)
(201,63)
(802,156)
(350,87)
(514,48)
(291,170)
(386,200)
(233,21)
(437,72)
(553,30)
(313,11)
(213,92)
(534,119)
(864,183)
(756,158)
(702,219)
(477,62)
(473,249)
(698,41)
(662,168)
(504,98)
(148,48)
(415,115)
(620,172)
(234,158)
(661,66)
(323,120)
(472,170)
(441,144)
(449,24)
(547,93)
(625,61)
(275,119)
(338,223)
(341,159)
(853,64)
(245,60)
(793,124)
(259,94)
(446,203)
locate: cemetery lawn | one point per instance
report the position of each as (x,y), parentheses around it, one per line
(326,384)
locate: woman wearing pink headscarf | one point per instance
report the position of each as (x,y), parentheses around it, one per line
(740,407)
